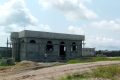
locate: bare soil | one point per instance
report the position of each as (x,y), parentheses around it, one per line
(50,73)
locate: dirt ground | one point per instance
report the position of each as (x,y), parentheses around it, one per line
(34,72)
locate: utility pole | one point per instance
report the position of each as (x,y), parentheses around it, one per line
(7,47)
(83,43)
(24,27)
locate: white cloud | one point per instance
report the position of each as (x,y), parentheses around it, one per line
(14,12)
(102,34)
(103,42)
(72,9)
(45,27)
(14,16)
(75,30)
(104,24)
(41,27)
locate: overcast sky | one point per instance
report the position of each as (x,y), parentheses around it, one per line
(98,20)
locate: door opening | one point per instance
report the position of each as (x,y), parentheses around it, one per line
(62,52)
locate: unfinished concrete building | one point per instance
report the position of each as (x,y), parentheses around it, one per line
(45,46)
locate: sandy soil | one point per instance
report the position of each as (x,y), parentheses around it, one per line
(51,73)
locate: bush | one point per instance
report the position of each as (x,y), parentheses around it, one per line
(0,56)
(7,62)
(100,55)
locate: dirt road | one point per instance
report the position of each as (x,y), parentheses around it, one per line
(51,73)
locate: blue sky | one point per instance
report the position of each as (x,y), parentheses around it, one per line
(98,20)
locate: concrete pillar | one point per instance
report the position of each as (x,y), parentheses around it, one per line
(68,51)
(23,51)
(15,49)
(56,48)
(79,49)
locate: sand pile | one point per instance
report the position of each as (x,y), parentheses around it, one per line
(27,64)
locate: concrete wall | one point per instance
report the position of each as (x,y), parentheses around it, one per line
(88,52)
(49,35)
(37,51)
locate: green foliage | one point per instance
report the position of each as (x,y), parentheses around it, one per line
(75,76)
(80,60)
(0,56)
(6,62)
(93,59)
(103,72)
(107,72)
(100,55)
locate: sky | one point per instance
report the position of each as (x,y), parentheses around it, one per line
(98,20)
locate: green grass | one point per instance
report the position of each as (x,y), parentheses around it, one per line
(111,72)
(4,63)
(93,59)
(107,71)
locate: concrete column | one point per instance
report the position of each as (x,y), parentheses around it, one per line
(56,48)
(79,49)
(23,51)
(42,51)
(15,50)
(68,51)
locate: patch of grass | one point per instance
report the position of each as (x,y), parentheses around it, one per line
(75,76)
(111,72)
(93,59)
(6,62)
